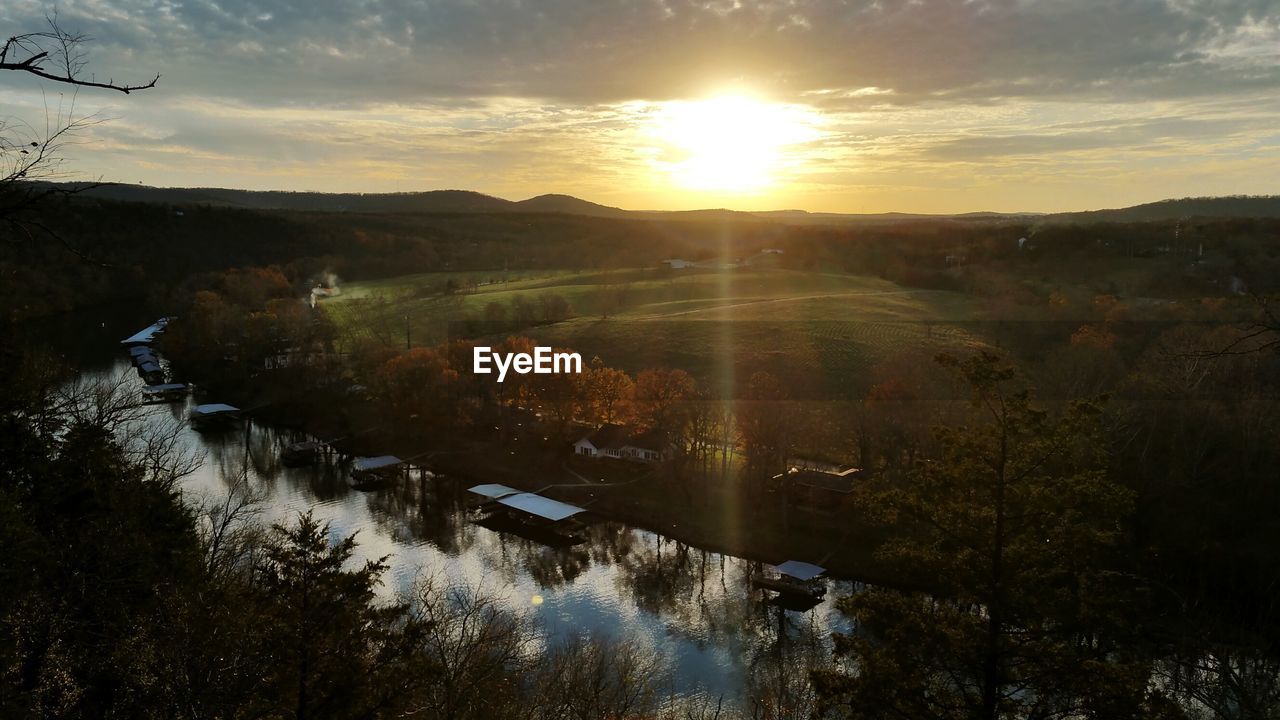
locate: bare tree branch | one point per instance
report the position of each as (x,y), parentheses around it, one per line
(56,54)
(31,160)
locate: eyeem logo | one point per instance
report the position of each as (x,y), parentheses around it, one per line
(542,362)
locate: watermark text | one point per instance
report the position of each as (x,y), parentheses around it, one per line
(543,361)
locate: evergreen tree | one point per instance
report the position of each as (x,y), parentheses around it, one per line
(1014,528)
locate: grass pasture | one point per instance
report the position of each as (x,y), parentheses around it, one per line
(823,331)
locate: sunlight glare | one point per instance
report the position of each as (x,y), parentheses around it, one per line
(729,143)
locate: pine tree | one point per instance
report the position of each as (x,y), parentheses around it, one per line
(1015,529)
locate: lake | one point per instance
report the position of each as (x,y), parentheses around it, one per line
(694,609)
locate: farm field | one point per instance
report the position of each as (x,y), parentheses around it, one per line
(722,324)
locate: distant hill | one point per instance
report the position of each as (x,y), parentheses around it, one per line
(806,217)
(568,205)
(467,201)
(1245,206)
(432,201)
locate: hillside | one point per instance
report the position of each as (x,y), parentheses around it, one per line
(1239,206)
(433,201)
(569,205)
(467,201)
(703,322)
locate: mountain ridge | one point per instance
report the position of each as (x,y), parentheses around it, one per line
(470,201)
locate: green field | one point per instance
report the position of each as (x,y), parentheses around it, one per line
(715,324)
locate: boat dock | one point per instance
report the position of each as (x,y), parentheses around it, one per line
(794,578)
(147,335)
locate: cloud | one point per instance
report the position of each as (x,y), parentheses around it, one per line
(339,52)
(518,97)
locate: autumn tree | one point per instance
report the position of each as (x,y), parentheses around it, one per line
(908,398)
(658,393)
(609,394)
(704,417)
(418,385)
(561,396)
(768,425)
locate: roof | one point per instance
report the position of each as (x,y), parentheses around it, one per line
(616,437)
(832,482)
(149,366)
(164,387)
(546,508)
(145,335)
(608,436)
(800,570)
(214,409)
(821,464)
(493,492)
(365,464)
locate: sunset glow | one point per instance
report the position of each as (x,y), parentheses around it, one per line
(858,107)
(729,143)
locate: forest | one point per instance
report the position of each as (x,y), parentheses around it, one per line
(1072,519)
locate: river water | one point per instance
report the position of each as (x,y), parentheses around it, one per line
(693,608)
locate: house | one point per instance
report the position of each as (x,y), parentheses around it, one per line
(615,441)
(821,485)
(771,251)
(801,462)
(677,264)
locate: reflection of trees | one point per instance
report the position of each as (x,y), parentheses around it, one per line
(425,508)
(703,596)
(608,542)
(659,574)
(779,667)
(547,566)
(552,567)
(226,452)
(262,450)
(1236,683)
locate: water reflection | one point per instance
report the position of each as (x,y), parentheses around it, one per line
(693,608)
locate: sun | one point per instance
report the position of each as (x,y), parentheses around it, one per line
(729,143)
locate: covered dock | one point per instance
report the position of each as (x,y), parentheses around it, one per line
(493,492)
(213,414)
(540,507)
(165,391)
(148,334)
(214,409)
(370,464)
(300,454)
(800,570)
(795,579)
(371,472)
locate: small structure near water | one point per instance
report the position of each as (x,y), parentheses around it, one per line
(147,335)
(372,472)
(488,494)
(794,578)
(165,392)
(540,507)
(213,416)
(300,454)
(528,515)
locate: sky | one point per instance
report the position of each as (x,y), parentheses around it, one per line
(836,106)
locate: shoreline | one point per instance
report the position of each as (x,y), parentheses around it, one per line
(700,515)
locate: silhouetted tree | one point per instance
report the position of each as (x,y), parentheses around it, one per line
(1016,527)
